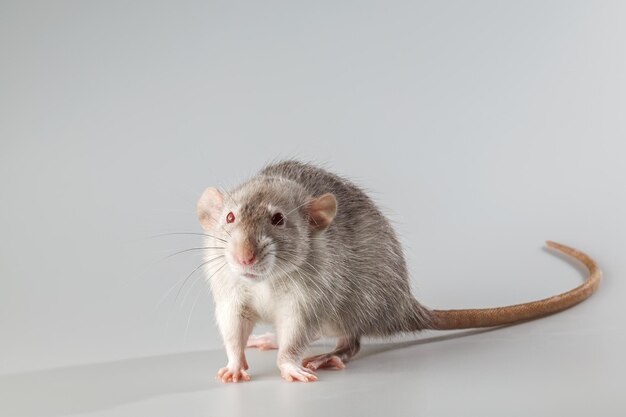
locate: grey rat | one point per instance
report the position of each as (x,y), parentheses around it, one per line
(309,252)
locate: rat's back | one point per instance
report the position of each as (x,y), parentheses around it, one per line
(362,253)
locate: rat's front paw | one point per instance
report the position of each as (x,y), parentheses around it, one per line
(232,374)
(292,372)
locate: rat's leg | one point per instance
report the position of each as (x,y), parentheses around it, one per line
(264,341)
(235,329)
(346,348)
(294,338)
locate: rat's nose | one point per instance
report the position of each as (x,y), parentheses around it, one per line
(246,256)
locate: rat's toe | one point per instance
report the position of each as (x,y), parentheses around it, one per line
(232,374)
(292,372)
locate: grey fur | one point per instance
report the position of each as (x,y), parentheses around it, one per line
(347,281)
(361,259)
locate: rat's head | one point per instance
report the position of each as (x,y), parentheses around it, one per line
(265,226)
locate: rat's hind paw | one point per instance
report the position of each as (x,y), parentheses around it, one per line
(292,372)
(265,341)
(325,360)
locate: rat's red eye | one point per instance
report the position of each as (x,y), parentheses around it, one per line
(230,217)
(278,219)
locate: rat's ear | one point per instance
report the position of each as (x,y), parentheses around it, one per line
(209,207)
(322,211)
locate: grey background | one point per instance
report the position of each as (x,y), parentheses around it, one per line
(483,128)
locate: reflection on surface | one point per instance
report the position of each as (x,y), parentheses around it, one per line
(83,388)
(92,387)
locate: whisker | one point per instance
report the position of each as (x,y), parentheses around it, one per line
(199,279)
(192,249)
(193,272)
(312,281)
(188,233)
(301,205)
(162,300)
(229,196)
(297,288)
(291,211)
(215,220)
(204,288)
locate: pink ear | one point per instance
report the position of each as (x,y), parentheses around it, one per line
(209,207)
(322,211)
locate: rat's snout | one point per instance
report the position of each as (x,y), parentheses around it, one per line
(246,257)
(245,254)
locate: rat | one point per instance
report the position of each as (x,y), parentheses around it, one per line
(307,251)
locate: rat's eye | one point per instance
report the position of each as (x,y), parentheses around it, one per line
(230,217)
(278,219)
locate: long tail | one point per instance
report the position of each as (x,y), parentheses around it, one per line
(489,317)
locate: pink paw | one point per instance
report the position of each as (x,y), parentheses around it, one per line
(232,374)
(292,372)
(265,341)
(323,361)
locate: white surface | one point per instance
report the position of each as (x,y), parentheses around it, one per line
(483,128)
